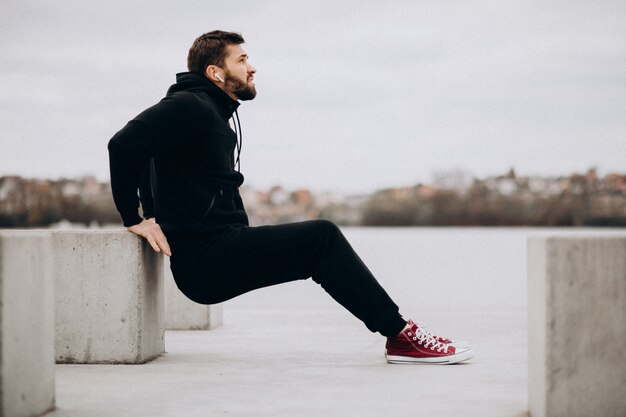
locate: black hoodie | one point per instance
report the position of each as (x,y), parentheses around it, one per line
(184,145)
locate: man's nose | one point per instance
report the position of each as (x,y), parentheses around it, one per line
(251,69)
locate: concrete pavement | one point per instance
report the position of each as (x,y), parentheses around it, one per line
(291,351)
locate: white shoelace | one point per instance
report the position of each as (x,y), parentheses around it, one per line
(428,340)
(422,326)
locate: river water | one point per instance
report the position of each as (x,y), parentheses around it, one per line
(445,267)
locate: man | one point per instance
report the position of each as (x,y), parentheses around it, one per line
(179,153)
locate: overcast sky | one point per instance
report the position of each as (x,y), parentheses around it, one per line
(352,95)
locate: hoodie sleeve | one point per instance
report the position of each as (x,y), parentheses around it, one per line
(145,193)
(154,133)
(127,169)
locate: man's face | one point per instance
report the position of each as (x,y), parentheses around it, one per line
(239,74)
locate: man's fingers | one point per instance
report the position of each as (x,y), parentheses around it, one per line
(153,243)
(151,231)
(165,247)
(161,240)
(158,241)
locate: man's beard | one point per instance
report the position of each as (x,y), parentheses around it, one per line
(241,89)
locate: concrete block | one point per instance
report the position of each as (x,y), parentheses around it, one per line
(26,324)
(577,325)
(108,297)
(183,314)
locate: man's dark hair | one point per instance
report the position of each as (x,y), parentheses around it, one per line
(210,49)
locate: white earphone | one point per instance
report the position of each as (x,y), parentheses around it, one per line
(218,77)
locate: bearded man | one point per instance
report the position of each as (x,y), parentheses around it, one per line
(180,155)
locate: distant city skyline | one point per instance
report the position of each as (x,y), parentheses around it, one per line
(577,200)
(353,96)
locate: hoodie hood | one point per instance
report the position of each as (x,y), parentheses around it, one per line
(194,82)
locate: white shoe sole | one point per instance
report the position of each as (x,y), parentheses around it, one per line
(441,360)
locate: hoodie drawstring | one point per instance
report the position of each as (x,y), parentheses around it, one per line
(239,136)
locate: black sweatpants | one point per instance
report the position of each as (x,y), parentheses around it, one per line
(242,259)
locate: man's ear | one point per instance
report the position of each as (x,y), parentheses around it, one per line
(213,74)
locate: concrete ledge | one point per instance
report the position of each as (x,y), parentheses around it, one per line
(577,325)
(183,314)
(26,323)
(108,297)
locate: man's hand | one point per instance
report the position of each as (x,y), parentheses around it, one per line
(151,231)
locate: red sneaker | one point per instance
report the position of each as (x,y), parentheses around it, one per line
(458,344)
(414,345)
